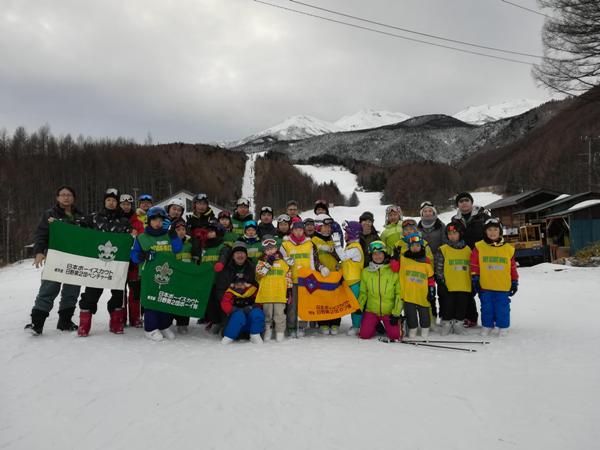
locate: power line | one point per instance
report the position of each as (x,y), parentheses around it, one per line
(487,55)
(407,30)
(526,8)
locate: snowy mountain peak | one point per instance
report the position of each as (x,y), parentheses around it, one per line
(478,115)
(369,118)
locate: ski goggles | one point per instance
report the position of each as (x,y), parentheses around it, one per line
(269,243)
(328,221)
(414,238)
(180,224)
(266,209)
(425,204)
(125,198)
(200,197)
(409,223)
(310,221)
(393,208)
(243,202)
(492,221)
(111,191)
(145,198)
(225,213)
(377,246)
(284,218)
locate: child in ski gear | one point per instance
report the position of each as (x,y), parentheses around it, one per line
(265,225)
(417,286)
(309,227)
(352,258)
(300,252)
(175,209)
(409,226)
(473,218)
(238,262)
(145,202)
(155,240)
(132,300)
(453,277)
(229,236)
(494,277)
(179,229)
(322,207)
(283,227)
(368,234)
(274,280)
(241,215)
(252,241)
(109,219)
(243,316)
(65,211)
(379,296)
(329,258)
(392,231)
(197,221)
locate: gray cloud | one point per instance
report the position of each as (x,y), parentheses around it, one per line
(202,70)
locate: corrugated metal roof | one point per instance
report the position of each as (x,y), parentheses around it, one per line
(556,201)
(578,207)
(517,198)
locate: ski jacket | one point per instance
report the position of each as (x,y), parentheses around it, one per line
(274,279)
(495,264)
(232,300)
(111,220)
(42,233)
(435,235)
(473,224)
(452,266)
(352,262)
(228,275)
(391,234)
(266,228)
(380,291)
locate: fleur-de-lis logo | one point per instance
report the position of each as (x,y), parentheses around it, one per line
(163,274)
(107,252)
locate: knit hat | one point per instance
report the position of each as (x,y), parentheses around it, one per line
(456,226)
(321,204)
(367,215)
(427,204)
(111,193)
(250,224)
(462,195)
(298,224)
(239,246)
(352,229)
(224,213)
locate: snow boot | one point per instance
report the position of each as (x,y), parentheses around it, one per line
(226,340)
(85,323)
(424,333)
(412,333)
(154,335)
(183,329)
(458,328)
(334,330)
(485,332)
(324,329)
(256,339)
(279,336)
(135,319)
(116,323)
(446,327)
(502,332)
(38,318)
(352,331)
(268,334)
(168,334)
(64,320)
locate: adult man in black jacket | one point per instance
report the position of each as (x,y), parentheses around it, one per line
(65,211)
(473,218)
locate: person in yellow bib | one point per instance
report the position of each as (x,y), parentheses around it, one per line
(274,280)
(494,277)
(352,258)
(300,253)
(453,277)
(417,286)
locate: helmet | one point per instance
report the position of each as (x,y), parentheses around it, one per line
(145,198)
(250,224)
(176,202)
(201,197)
(493,222)
(126,198)
(377,246)
(413,238)
(157,211)
(224,213)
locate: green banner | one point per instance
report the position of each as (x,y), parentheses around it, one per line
(86,257)
(176,287)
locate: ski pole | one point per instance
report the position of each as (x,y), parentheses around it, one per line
(447,347)
(435,341)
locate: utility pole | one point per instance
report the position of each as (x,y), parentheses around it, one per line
(590,158)
(135,196)
(8,219)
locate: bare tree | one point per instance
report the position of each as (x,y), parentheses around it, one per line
(571,38)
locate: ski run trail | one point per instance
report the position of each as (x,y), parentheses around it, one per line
(537,388)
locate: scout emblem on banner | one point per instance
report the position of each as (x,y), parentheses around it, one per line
(324,298)
(86,257)
(176,287)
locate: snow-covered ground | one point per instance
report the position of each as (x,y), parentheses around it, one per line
(535,389)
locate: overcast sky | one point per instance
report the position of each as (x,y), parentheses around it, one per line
(205,70)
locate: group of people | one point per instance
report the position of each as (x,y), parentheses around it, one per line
(404,278)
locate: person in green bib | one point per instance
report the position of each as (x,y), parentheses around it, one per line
(252,241)
(241,215)
(229,236)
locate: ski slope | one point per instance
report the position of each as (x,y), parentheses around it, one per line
(535,389)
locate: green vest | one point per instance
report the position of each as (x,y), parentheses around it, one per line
(210,255)
(157,244)
(185,255)
(230,237)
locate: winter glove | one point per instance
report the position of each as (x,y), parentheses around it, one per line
(475,284)
(514,287)
(324,271)
(395,265)
(394,320)
(289,261)
(147,255)
(337,239)
(271,259)
(263,268)
(196,260)
(166,225)
(219,267)
(431,294)
(441,282)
